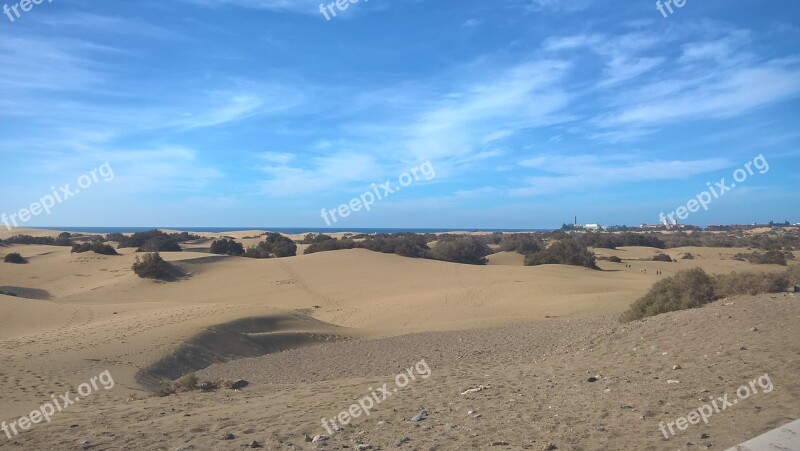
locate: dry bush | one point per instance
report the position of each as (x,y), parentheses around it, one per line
(15,258)
(662,258)
(612,259)
(689,288)
(463,249)
(151,266)
(750,283)
(568,251)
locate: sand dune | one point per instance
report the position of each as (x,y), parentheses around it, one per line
(539,394)
(76,315)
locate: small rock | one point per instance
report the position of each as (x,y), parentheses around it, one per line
(254,444)
(672,381)
(704,435)
(592,379)
(307,438)
(742,348)
(550,447)
(363,447)
(319,438)
(403,440)
(677,367)
(238,384)
(184,447)
(419,417)
(228,436)
(754,329)
(499,443)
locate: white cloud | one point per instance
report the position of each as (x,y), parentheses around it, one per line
(579,173)
(510,101)
(294,175)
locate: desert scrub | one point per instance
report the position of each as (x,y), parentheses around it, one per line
(227,247)
(662,258)
(568,251)
(750,283)
(687,289)
(461,249)
(96,247)
(151,266)
(189,382)
(15,258)
(523,243)
(767,258)
(612,259)
(274,246)
(330,245)
(693,288)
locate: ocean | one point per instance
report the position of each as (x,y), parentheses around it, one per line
(291,230)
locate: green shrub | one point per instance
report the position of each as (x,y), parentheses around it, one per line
(227,246)
(766,258)
(15,258)
(103,249)
(662,258)
(313,238)
(274,246)
(96,247)
(152,240)
(565,252)
(81,248)
(182,237)
(27,239)
(151,266)
(463,249)
(403,244)
(749,283)
(64,239)
(612,259)
(330,245)
(119,238)
(689,288)
(160,244)
(523,243)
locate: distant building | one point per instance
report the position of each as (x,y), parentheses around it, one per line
(663,226)
(586,227)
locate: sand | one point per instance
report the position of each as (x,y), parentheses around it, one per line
(333,323)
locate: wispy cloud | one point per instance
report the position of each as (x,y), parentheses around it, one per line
(579,173)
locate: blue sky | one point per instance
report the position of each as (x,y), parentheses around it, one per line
(262,112)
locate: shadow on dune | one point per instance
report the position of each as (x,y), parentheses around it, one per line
(200,260)
(249,337)
(28,293)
